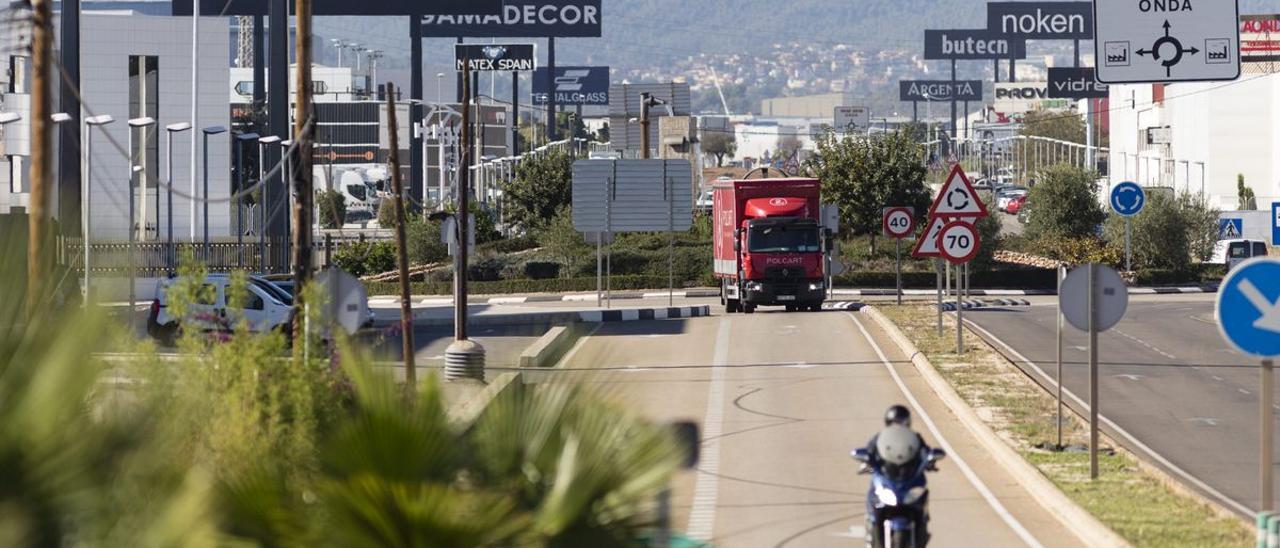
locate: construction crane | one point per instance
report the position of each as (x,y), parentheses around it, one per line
(244,41)
(716,78)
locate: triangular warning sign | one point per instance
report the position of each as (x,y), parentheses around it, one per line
(957,198)
(927,244)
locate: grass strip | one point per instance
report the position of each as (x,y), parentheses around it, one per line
(1133,502)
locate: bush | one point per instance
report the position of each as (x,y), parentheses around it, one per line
(1076,251)
(1004,279)
(488,270)
(364,258)
(562,242)
(1064,204)
(332,207)
(510,245)
(423,239)
(541,270)
(1170,233)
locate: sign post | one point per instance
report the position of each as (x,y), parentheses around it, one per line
(1093,299)
(898,223)
(959,244)
(1127,200)
(1156,41)
(956,202)
(1248,317)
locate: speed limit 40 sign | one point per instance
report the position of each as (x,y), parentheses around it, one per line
(958,242)
(898,222)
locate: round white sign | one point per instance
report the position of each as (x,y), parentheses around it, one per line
(1110,295)
(898,223)
(958,242)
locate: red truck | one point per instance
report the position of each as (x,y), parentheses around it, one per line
(768,244)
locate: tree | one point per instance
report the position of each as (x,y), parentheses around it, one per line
(333,208)
(1065,204)
(862,176)
(1170,233)
(1054,125)
(541,186)
(719,144)
(560,240)
(1248,201)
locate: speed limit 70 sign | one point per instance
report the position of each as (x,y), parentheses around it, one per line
(958,242)
(898,222)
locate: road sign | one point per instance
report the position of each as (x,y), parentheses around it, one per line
(496,57)
(1275,223)
(958,242)
(347,304)
(1128,199)
(1230,229)
(1110,295)
(927,243)
(632,195)
(852,119)
(1075,83)
(898,222)
(573,85)
(1166,40)
(1248,307)
(957,198)
(831,217)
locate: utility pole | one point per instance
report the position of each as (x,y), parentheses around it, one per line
(300,175)
(41,157)
(644,124)
(464,359)
(402,254)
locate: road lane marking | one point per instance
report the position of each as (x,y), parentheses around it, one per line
(1145,343)
(702,514)
(1053,384)
(982,489)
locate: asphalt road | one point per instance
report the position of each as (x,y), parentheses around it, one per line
(782,398)
(1166,378)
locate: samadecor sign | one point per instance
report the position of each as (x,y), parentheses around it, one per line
(520,19)
(939,90)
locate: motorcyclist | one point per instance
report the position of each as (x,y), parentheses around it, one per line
(897,417)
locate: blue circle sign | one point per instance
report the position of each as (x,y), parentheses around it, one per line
(1248,307)
(1128,199)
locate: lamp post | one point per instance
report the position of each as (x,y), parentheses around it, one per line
(212,130)
(136,123)
(169,131)
(7,118)
(290,198)
(86,157)
(339,45)
(262,191)
(241,140)
(439,97)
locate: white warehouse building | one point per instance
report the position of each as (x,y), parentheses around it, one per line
(135,65)
(1199,137)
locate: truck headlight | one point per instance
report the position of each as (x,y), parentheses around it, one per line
(754,286)
(817,286)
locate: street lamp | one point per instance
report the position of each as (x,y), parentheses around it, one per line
(241,140)
(262,188)
(169,131)
(86,189)
(339,45)
(135,123)
(439,94)
(9,117)
(212,130)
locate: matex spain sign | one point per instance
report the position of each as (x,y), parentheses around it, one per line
(495,57)
(1041,20)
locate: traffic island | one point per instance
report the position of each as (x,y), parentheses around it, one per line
(1138,503)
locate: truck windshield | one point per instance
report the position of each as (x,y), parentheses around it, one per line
(781,239)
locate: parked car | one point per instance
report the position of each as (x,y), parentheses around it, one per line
(266,307)
(1015,205)
(1007,194)
(1235,251)
(704,202)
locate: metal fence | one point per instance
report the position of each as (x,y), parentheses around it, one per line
(157,259)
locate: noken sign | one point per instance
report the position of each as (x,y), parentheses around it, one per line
(1041,20)
(518,18)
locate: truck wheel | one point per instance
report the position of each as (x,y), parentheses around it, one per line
(731,305)
(791,308)
(749,308)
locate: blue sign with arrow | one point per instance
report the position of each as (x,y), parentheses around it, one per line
(1275,223)
(1128,199)
(1248,308)
(1230,229)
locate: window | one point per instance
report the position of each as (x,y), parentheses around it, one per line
(207,295)
(254,302)
(144,100)
(245,88)
(318,87)
(781,239)
(1259,249)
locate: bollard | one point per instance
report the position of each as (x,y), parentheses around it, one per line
(464,360)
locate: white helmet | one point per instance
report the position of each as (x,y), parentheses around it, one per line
(897,444)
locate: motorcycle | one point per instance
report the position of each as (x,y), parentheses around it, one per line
(898,501)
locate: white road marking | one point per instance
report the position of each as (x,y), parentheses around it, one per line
(1207,421)
(1242,391)
(855,531)
(1217,378)
(702,515)
(1129,377)
(1145,343)
(1229,502)
(982,489)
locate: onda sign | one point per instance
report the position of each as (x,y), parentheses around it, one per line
(939,90)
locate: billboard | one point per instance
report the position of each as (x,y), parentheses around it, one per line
(940,90)
(573,85)
(1075,83)
(495,57)
(1259,38)
(345,7)
(517,19)
(1023,97)
(1041,20)
(972,44)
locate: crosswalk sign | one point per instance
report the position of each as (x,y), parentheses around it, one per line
(957,198)
(1230,229)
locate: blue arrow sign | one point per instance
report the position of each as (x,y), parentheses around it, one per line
(1230,229)
(1275,223)
(1248,308)
(1128,199)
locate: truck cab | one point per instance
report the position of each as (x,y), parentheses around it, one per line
(768,244)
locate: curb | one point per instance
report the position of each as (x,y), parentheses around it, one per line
(467,412)
(979,303)
(1086,527)
(554,317)
(567,297)
(553,345)
(1017,292)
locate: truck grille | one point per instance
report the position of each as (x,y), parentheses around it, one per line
(784,272)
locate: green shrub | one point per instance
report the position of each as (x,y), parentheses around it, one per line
(541,270)
(332,207)
(488,270)
(364,258)
(1003,279)
(509,245)
(1065,204)
(1170,233)
(1078,250)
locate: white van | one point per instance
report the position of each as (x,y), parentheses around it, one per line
(1236,251)
(266,307)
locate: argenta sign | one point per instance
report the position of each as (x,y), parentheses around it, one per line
(518,19)
(1041,20)
(972,44)
(940,90)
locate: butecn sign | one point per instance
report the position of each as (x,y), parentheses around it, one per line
(940,90)
(518,19)
(972,44)
(1041,20)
